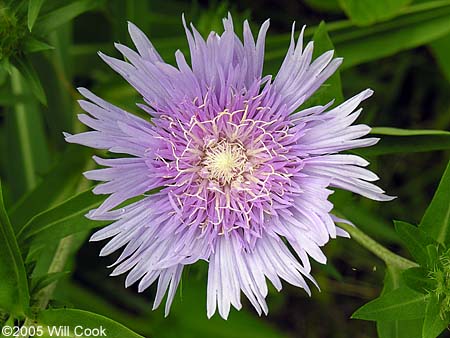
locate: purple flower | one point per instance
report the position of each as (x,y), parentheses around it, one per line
(243,172)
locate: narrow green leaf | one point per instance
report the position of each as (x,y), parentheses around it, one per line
(56,185)
(32,45)
(38,283)
(26,150)
(50,21)
(56,68)
(73,318)
(394,140)
(436,220)
(370,11)
(434,324)
(418,279)
(415,240)
(407,132)
(70,292)
(441,51)
(419,24)
(399,304)
(34,6)
(14,294)
(64,219)
(433,254)
(28,72)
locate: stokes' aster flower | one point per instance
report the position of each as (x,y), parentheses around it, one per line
(244,174)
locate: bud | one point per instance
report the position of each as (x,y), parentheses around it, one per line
(12,32)
(441,276)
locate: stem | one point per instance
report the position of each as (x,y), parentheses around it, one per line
(390,258)
(23,133)
(58,262)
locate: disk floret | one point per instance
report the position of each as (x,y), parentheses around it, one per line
(225,161)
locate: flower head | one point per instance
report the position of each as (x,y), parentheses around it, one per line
(243,172)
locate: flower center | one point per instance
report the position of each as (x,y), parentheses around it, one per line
(225,161)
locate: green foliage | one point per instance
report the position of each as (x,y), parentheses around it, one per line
(420,24)
(39,283)
(434,322)
(421,292)
(50,21)
(415,240)
(26,69)
(34,6)
(27,149)
(14,296)
(370,11)
(62,220)
(394,140)
(399,304)
(395,328)
(49,47)
(11,32)
(436,221)
(55,186)
(73,318)
(441,50)
(418,279)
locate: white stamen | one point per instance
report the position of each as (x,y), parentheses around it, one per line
(225,161)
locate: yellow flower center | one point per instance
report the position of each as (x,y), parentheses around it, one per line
(225,161)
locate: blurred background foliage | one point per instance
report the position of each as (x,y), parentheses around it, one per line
(399,48)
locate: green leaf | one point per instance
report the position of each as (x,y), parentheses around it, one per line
(64,219)
(50,21)
(54,69)
(434,324)
(396,328)
(34,6)
(394,140)
(14,294)
(407,132)
(415,240)
(87,299)
(436,220)
(399,304)
(32,45)
(38,283)
(418,279)
(56,185)
(26,150)
(419,24)
(441,51)
(367,12)
(74,318)
(27,70)
(332,88)
(433,254)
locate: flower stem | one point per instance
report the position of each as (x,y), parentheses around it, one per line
(390,258)
(57,265)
